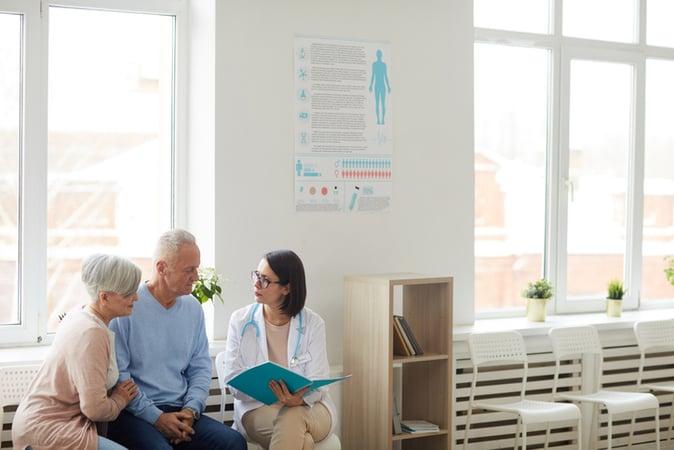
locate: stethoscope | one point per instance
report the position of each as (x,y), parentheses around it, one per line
(252,323)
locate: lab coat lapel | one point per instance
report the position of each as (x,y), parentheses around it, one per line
(262,341)
(292,339)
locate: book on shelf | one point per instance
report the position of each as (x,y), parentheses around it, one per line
(397,429)
(400,347)
(407,332)
(418,426)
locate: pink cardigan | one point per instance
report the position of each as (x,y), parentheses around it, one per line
(68,394)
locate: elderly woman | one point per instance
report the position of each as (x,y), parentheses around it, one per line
(77,383)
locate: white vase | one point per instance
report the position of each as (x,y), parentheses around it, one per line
(536,309)
(613,307)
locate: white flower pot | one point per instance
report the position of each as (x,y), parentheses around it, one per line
(536,309)
(613,307)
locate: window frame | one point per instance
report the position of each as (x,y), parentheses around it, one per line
(32,221)
(563,50)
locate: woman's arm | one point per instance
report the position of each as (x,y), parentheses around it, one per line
(88,368)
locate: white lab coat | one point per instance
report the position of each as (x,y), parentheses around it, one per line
(312,347)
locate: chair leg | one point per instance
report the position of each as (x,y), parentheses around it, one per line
(609,438)
(594,428)
(517,433)
(657,428)
(629,439)
(671,421)
(524,437)
(465,436)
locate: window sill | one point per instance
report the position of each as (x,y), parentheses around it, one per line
(35,354)
(599,320)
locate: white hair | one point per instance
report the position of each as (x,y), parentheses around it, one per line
(170,242)
(110,273)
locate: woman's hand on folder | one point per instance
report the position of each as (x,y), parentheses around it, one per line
(284,396)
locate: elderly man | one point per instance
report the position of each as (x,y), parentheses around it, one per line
(162,346)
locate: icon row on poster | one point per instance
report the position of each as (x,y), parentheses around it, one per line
(365,174)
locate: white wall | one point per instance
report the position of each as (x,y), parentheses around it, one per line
(430,227)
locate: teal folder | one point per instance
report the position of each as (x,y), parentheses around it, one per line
(255,381)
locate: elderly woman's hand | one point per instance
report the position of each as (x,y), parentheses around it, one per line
(126,389)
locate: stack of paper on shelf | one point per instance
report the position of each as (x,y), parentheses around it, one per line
(397,429)
(418,426)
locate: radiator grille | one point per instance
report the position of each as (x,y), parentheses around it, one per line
(491,430)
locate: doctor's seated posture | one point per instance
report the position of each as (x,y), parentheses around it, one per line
(280,329)
(164,349)
(70,391)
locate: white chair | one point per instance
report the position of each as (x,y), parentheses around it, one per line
(655,335)
(574,342)
(489,349)
(329,443)
(14,383)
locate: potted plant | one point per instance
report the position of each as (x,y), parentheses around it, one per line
(669,270)
(614,300)
(537,294)
(207,286)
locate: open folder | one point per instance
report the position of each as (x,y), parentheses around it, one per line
(255,381)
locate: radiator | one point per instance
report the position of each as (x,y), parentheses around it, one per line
(491,430)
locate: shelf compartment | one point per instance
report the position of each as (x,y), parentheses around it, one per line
(405,436)
(421,358)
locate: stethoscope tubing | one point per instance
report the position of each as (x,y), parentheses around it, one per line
(252,323)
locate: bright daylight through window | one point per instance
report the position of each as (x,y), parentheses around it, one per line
(573,143)
(104,139)
(10,152)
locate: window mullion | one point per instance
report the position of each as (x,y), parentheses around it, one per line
(562,172)
(554,156)
(635,207)
(34,187)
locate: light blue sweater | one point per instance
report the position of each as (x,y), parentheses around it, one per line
(165,352)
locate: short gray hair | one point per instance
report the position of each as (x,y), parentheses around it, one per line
(170,242)
(110,273)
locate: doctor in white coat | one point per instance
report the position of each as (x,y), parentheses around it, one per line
(278,328)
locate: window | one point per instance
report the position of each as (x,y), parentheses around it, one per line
(10,155)
(599,143)
(96,170)
(507,15)
(511,138)
(660,17)
(658,223)
(607,20)
(600,194)
(110,142)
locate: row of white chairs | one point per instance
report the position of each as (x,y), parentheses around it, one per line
(489,349)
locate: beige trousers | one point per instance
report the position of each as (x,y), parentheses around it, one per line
(277,427)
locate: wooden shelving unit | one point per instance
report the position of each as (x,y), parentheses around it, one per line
(368,356)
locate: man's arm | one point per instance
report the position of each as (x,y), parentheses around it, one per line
(141,406)
(199,370)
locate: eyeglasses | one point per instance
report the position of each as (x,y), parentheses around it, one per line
(255,277)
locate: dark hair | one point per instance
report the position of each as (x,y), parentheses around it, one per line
(290,270)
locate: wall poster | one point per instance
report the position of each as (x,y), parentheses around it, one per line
(343,125)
